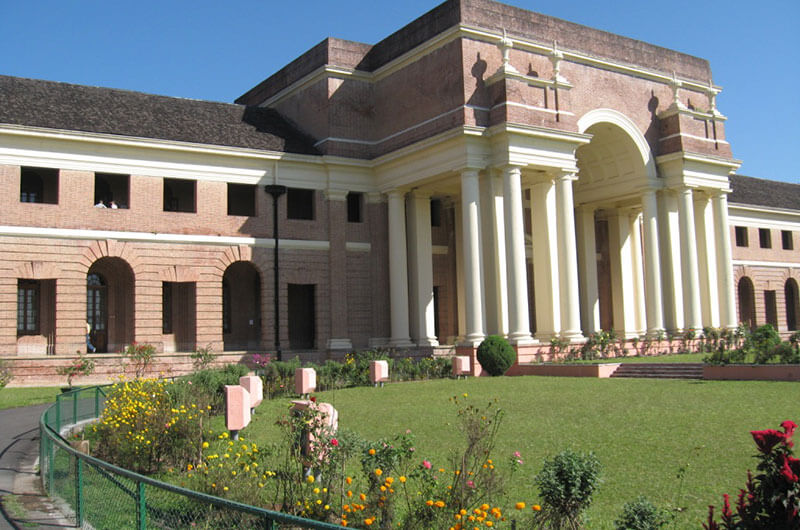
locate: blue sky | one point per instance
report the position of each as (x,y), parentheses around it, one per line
(217,50)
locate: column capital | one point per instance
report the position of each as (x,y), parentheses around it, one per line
(335,195)
(565,174)
(375,197)
(419,194)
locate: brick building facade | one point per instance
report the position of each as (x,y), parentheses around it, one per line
(482,170)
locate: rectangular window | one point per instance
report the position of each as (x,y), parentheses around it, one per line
(771,308)
(786,240)
(741,236)
(300,204)
(111,190)
(38,184)
(166,307)
(242,199)
(355,203)
(436,212)
(179,195)
(765,238)
(27,307)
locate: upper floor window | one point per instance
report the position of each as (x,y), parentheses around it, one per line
(436,212)
(38,184)
(111,190)
(786,240)
(355,205)
(300,204)
(765,238)
(241,199)
(179,195)
(741,236)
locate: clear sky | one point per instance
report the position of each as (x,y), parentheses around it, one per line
(217,50)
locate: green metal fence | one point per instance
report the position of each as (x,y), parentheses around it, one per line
(101,495)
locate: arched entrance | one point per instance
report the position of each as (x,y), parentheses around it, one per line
(792,304)
(747,302)
(241,307)
(110,304)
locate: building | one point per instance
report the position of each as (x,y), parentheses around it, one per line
(484,169)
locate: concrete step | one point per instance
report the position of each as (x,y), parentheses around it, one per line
(660,371)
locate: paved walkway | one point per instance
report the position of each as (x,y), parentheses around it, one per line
(22,503)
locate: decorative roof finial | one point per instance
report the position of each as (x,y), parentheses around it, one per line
(505,46)
(555,57)
(675,84)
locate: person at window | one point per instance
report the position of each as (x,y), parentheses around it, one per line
(100,204)
(89,346)
(113,205)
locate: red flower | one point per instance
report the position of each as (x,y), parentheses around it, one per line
(791,468)
(334,442)
(767,439)
(426,464)
(313,399)
(788,427)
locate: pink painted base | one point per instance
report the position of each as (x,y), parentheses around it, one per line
(755,372)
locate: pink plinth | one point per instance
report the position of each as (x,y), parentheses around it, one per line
(461,365)
(378,371)
(254,385)
(237,407)
(305,380)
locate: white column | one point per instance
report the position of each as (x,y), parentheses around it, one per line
(518,318)
(545,260)
(652,265)
(421,267)
(622,273)
(587,263)
(691,280)
(473,270)
(671,260)
(727,304)
(398,270)
(493,253)
(638,273)
(460,289)
(706,260)
(567,258)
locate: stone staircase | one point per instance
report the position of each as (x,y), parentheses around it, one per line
(660,371)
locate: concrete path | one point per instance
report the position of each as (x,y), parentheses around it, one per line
(22,502)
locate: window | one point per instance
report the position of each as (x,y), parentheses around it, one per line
(786,240)
(436,212)
(179,195)
(355,202)
(166,307)
(764,238)
(38,184)
(300,204)
(112,190)
(771,308)
(27,307)
(241,199)
(741,236)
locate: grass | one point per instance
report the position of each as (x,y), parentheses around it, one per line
(24,396)
(646,434)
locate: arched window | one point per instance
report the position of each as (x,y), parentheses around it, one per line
(792,304)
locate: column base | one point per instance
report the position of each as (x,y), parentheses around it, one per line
(378,342)
(472,341)
(401,343)
(546,336)
(522,339)
(654,334)
(340,344)
(428,342)
(573,335)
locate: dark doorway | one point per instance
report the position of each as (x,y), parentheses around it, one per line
(97,311)
(771,308)
(110,304)
(178,316)
(792,304)
(747,302)
(302,316)
(241,307)
(604,293)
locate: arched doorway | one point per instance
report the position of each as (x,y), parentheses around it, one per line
(747,302)
(792,304)
(110,304)
(241,307)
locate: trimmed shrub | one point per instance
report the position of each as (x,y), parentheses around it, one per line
(641,514)
(496,355)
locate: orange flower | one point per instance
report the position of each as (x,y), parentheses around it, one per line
(536,508)
(379,472)
(371,453)
(520,506)
(429,502)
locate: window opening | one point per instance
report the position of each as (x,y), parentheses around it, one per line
(300,204)
(355,203)
(179,195)
(741,236)
(111,190)
(786,240)
(764,238)
(771,308)
(166,307)
(436,212)
(27,307)
(241,199)
(38,184)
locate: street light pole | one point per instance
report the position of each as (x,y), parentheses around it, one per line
(276,190)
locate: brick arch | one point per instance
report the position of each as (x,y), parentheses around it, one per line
(111,248)
(37,270)
(740,272)
(790,273)
(236,253)
(179,273)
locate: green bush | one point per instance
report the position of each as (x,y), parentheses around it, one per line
(5,374)
(207,387)
(786,353)
(566,484)
(496,355)
(641,514)
(762,342)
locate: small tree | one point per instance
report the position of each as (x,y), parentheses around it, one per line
(203,357)
(141,355)
(566,483)
(80,366)
(641,514)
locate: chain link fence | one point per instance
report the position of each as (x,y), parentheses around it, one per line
(100,495)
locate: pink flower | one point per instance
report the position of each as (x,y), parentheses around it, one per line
(516,454)
(426,464)
(334,442)
(470,484)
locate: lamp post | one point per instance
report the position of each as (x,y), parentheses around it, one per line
(276,190)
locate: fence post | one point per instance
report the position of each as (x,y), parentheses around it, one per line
(78,491)
(97,402)
(141,508)
(75,406)
(58,413)
(268,523)
(51,472)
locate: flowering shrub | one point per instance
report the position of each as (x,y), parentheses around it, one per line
(771,499)
(143,430)
(203,357)
(79,366)
(141,356)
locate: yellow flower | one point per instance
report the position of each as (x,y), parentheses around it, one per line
(379,472)
(520,506)
(465,394)
(402,479)
(205,445)
(310,479)
(316,490)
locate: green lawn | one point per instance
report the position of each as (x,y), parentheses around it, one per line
(24,396)
(644,432)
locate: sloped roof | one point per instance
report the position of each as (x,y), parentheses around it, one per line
(64,106)
(762,192)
